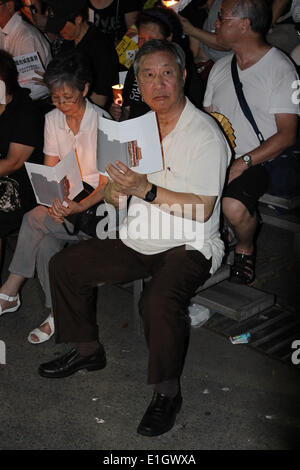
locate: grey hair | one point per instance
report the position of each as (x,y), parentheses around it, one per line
(258,12)
(158,45)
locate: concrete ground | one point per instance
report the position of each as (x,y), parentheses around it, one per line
(234,396)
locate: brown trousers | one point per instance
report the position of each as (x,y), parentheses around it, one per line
(176,274)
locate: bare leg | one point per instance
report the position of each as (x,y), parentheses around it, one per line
(243,223)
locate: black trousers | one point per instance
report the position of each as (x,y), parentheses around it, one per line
(176,274)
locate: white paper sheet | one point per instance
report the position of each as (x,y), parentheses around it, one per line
(144,130)
(47,181)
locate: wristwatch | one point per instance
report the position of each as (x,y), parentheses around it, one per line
(151,194)
(248,160)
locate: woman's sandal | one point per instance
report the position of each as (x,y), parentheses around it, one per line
(10,299)
(243,269)
(40,334)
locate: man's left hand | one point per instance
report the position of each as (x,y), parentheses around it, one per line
(128,182)
(236,169)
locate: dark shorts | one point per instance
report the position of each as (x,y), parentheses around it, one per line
(248,187)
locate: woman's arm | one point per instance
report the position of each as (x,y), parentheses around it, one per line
(17,155)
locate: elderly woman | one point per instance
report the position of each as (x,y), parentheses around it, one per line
(73,124)
(21,139)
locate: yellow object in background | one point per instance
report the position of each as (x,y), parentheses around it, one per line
(226,126)
(127,48)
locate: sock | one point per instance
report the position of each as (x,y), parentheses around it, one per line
(87,349)
(170,388)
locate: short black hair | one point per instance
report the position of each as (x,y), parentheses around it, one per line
(71,68)
(165,18)
(8,72)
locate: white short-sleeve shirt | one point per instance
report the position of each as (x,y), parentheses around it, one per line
(196,156)
(269,89)
(59,140)
(19,37)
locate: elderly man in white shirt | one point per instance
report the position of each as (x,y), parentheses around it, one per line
(196,156)
(19,37)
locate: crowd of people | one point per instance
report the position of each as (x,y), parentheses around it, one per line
(214,56)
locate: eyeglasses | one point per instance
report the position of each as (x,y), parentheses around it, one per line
(58,101)
(223,18)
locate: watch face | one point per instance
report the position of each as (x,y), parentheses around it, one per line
(246,158)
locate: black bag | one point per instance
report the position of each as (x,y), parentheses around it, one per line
(87,220)
(9,194)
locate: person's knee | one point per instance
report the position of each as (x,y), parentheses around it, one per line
(235,211)
(35,217)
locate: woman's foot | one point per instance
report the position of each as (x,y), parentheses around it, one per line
(9,303)
(44,332)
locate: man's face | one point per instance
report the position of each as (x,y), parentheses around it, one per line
(160,81)
(69,31)
(227,25)
(6,12)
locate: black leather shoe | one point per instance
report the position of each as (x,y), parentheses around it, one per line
(71,362)
(160,415)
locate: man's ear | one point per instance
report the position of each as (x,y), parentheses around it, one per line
(184,76)
(78,20)
(86,89)
(246,25)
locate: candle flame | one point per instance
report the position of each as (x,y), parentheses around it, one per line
(169,3)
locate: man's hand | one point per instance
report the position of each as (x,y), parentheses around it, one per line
(39,81)
(236,169)
(112,195)
(128,182)
(187,26)
(115,111)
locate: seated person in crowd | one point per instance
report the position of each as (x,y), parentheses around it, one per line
(21,140)
(18,37)
(157,23)
(84,37)
(203,41)
(187,193)
(284,31)
(73,124)
(267,76)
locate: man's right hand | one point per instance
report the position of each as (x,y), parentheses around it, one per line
(115,111)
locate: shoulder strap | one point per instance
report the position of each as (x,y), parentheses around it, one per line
(242,100)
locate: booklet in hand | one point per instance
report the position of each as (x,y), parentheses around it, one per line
(134,142)
(55,182)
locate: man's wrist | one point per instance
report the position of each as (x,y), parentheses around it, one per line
(247,159)
(150,193)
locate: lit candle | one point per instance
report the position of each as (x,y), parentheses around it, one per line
(170,3)
(117,91)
